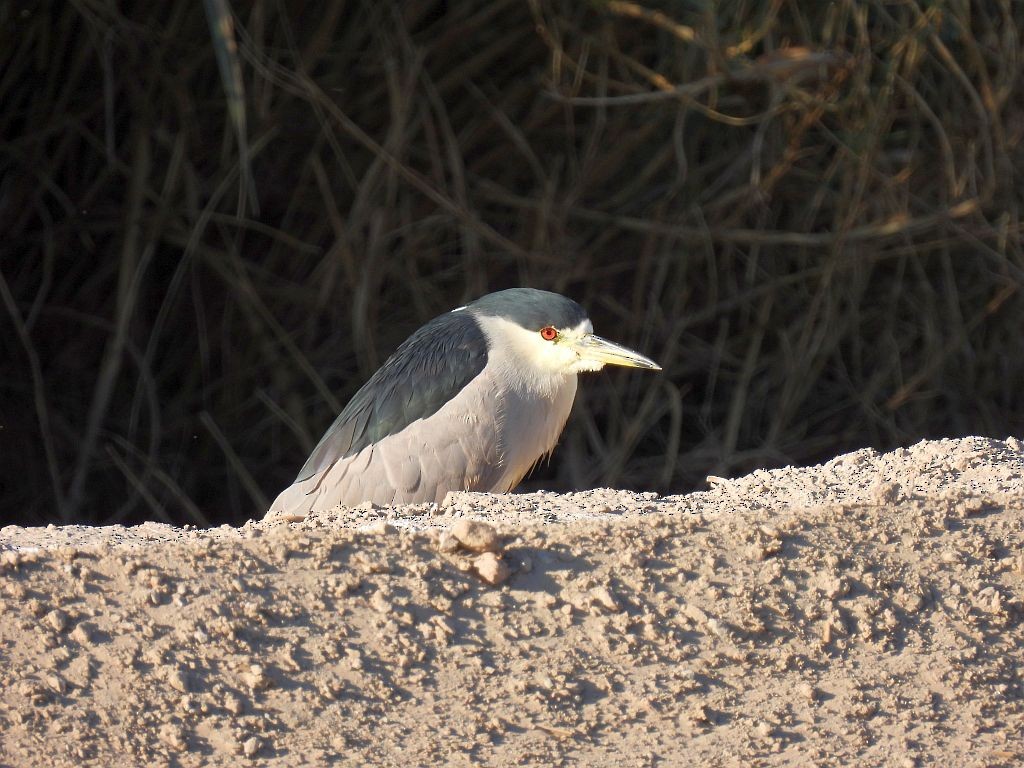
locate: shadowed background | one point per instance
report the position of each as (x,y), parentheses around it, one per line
(212,234)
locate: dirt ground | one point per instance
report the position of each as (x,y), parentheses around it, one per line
(864,612)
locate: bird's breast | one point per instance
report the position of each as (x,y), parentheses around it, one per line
(528,424)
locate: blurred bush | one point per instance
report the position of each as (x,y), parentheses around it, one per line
(808,212)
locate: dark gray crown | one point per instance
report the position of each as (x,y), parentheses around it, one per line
(530,308)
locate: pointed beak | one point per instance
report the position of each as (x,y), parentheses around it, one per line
(598,350)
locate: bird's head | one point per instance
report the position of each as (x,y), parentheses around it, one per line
(548,333)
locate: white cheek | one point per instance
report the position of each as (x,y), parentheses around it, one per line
(558,358)
(527,358)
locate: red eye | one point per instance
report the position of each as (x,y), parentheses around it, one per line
(548,334)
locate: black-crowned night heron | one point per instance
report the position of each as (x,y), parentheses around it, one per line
(471,401)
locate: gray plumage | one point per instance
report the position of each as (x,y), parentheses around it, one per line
(530,308)
(470,401)
(426,371)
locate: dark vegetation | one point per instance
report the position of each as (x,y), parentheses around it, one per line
(809,213)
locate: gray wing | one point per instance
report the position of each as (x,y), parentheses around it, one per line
(425,372)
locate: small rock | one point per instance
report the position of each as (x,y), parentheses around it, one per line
(339,742)
(251,746)
(913,602)
(355,659)
(835,587)
(447,543)
(603,597)
(10,559)
(695,614)
(330,689)
(79,672)
(808,691)
(491,568)
(80,635)
(178,680)
(57,620)
(380,603)
(288,659)
(974,506)
(234,704)
(172,736)
(886,492)
(256,678)
(699,715)
(864,710)
(476,536)
(55,683)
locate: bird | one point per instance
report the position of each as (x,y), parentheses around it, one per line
(469,402)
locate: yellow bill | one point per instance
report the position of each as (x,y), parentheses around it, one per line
(595,349)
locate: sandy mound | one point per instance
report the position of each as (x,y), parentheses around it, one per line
(863,612)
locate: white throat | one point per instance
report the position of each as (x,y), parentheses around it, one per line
(535,384)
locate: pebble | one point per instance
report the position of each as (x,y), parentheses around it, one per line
(256,677)
(55,683)
(476,536)
(808,691)
(886,492)
(380,603)
(57,620)
(10,559)
(251,746)
(699,715)
(355,659)
(491,568)
(330,690)
(172,736)
(695,614)
(603,597)
(764,729)
(178,680)
(447,543)
(863,710)
(234,704)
